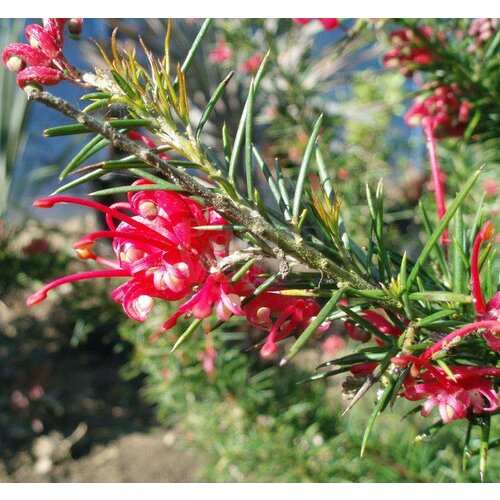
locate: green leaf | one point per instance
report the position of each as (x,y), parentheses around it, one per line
(382,402)
(441,297)
(273,186)
(438,247)
(194,48)
(248,142)
(443,223)
(81,180)
(459,266)
(404,297)
(91,148)
(429,320)
(313,325)
(238,140)
(126,123)
(187,333)
(142,187)
(211,104)
(299,189)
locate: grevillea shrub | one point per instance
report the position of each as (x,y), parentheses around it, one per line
(225,235)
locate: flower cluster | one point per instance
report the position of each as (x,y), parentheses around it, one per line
(174,249)
(41,62)
(456,393)
(409,50)
(444,111)
(481,30)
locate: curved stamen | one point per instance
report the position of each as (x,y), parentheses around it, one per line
(436,176)
(106,273)
(483,235)
(460,333)
(90,238)
(109,218)
(50,202)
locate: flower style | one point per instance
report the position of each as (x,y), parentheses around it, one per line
(485,311)
(409,50)
(42,62)
(443,112)
(469,390)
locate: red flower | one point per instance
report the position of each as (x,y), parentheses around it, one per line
(282,315)
(42,61)
(409,51)
(38,75)
(158,249)
(443,112)
(469,390)
(329,23)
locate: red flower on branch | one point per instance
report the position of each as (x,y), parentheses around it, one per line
(42,61)
(468,390)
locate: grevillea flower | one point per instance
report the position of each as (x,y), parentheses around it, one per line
(163,254)
(42,61)
(38,76)
(282,315)
(221,53)
(469,389)
(443,111)
(409,50)
(157,248)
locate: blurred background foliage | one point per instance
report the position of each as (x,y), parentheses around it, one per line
(248,420)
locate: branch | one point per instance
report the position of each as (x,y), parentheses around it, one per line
(291,244)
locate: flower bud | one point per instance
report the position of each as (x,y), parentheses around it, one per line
(17,55)
(75,25)
(38,76)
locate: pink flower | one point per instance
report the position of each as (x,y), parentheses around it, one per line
(481,30)
(491,310)
(282,315)
(38,75)
(469,390)
(252,64)
(333,344)
(409,52)
(443,111)
(42,61)
(221,53)
(491,187)
(158,249)
(17,56)
(329,23)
